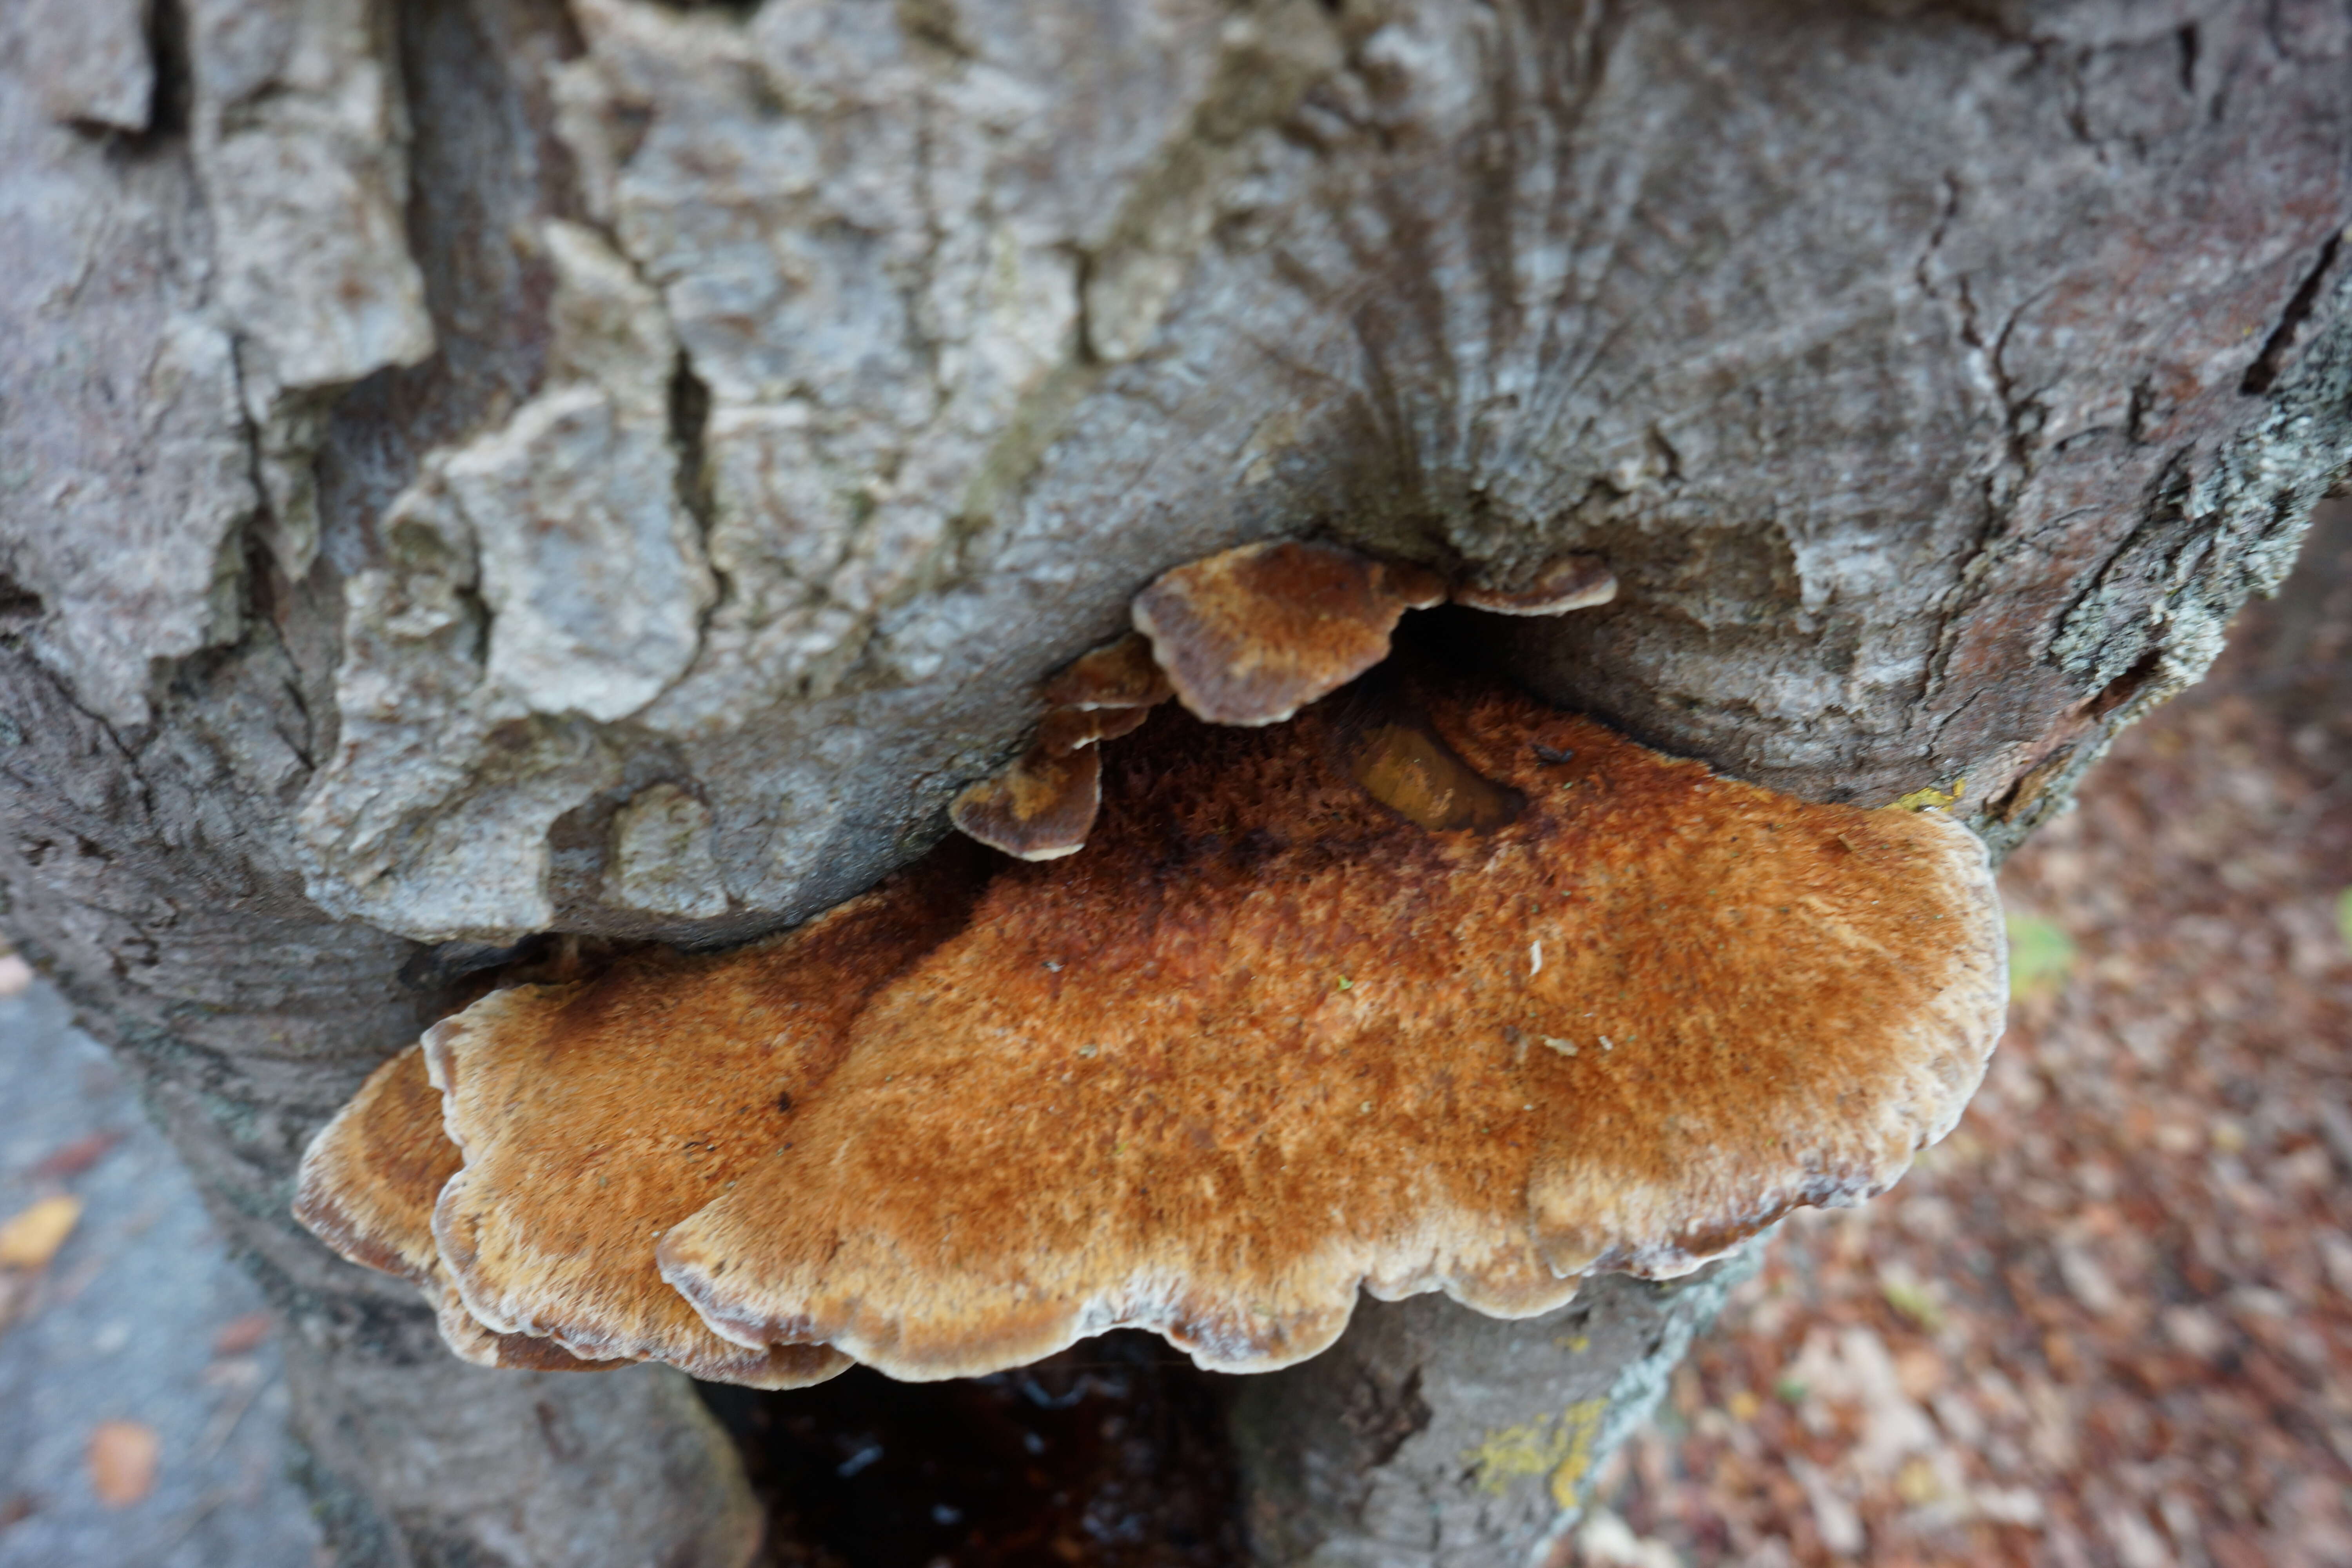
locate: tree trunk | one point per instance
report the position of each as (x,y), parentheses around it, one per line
(478,468)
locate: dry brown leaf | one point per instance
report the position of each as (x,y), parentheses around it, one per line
(121,1459)
(241,1334)
(72,1159)
(33,1235)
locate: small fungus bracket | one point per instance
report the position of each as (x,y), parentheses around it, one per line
(1041,807)
(1246,637)
(1251,636)
(1567,583)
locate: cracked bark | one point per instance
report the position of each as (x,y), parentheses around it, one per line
(1938,380)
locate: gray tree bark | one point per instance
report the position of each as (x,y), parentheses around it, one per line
(478,468)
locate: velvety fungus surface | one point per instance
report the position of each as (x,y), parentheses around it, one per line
(1274,1037)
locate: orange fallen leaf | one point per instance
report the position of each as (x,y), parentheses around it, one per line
(33,1235)
(122,1460)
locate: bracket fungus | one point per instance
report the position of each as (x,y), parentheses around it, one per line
(1250,635)
(1275,1037)
(1247,635)
(1568,583)
(594,1115)
(1432,988)
(1119,674)
(1041,807)
(366,1188)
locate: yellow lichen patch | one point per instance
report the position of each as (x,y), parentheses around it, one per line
(1931,797)
(1582,1422)
(1559,1447)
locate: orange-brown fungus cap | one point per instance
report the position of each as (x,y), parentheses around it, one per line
(1396,757)
(550,1230)
(596,1114)
(368,1180)
(1067,729)
(1253,635)
(366,1188)
(1414,587)
(1570,583)
(1119,674)
(1284,1031)
(1040,808)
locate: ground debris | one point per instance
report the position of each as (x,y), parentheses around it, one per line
(2109,1320)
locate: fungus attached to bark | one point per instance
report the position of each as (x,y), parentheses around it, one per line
(368,1185)
(595,1115)
(1283,1033)
(366,1188)
(1433,988)
(1251,636)
(1041,807)
(1120,674)
(1445,991)
(1246,637)
(1568,583)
